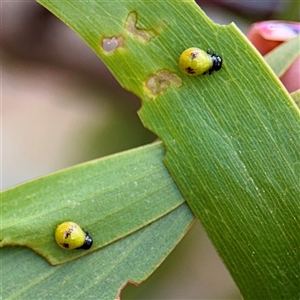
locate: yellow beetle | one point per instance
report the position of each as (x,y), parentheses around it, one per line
(194,61)
(69,236)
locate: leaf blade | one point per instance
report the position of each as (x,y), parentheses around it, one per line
(243,109)
(99,275)
(281,58)
(110,198)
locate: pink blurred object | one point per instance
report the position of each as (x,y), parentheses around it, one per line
(267,35)
(291,78)
(278,31)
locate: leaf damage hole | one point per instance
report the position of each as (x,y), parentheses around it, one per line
(129,282)
(131,27)
(159,82)
(111,44)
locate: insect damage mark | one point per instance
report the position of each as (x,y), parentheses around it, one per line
(132,28)
(156,84)
(112,43)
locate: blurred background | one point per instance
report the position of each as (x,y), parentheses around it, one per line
(61,106)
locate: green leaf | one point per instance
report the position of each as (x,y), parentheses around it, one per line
(281,58)
(231,138)
(296,97)
(232,143)
(99,275)
(110,198)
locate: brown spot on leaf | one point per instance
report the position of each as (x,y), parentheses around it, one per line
(132,28)
(112,43)
(158,83)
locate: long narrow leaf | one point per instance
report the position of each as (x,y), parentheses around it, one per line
(110,198)
(232,138)
(99,275)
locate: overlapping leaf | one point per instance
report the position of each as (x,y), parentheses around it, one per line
(99,275)
(231,138)
(110,198)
